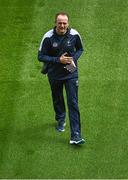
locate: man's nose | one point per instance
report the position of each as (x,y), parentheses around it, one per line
(62,25)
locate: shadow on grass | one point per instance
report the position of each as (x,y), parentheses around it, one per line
(45,135)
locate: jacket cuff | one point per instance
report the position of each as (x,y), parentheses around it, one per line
(57,59)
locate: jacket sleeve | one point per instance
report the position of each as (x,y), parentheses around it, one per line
(79,48)
(44,52)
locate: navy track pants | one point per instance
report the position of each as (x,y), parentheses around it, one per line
(71,87)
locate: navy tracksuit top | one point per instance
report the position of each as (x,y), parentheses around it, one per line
(53,46)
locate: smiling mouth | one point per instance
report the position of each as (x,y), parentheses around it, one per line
(62,29)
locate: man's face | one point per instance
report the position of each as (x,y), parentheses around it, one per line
(61,24)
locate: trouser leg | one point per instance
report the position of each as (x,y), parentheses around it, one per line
(58,99)
(71,86)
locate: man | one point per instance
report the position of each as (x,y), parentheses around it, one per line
(60,49)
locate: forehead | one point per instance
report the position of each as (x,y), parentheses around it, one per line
(63,18)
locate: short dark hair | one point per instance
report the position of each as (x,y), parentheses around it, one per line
(61,13)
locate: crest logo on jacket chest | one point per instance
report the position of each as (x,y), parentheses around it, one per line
(68,43)
(55,44)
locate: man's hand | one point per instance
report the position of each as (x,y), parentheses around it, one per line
(64,59)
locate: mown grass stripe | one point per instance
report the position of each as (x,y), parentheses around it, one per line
(14,28)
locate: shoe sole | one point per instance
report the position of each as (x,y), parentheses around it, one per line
(77,142)
(60,130)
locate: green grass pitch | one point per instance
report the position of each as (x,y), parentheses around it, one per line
(29,145)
